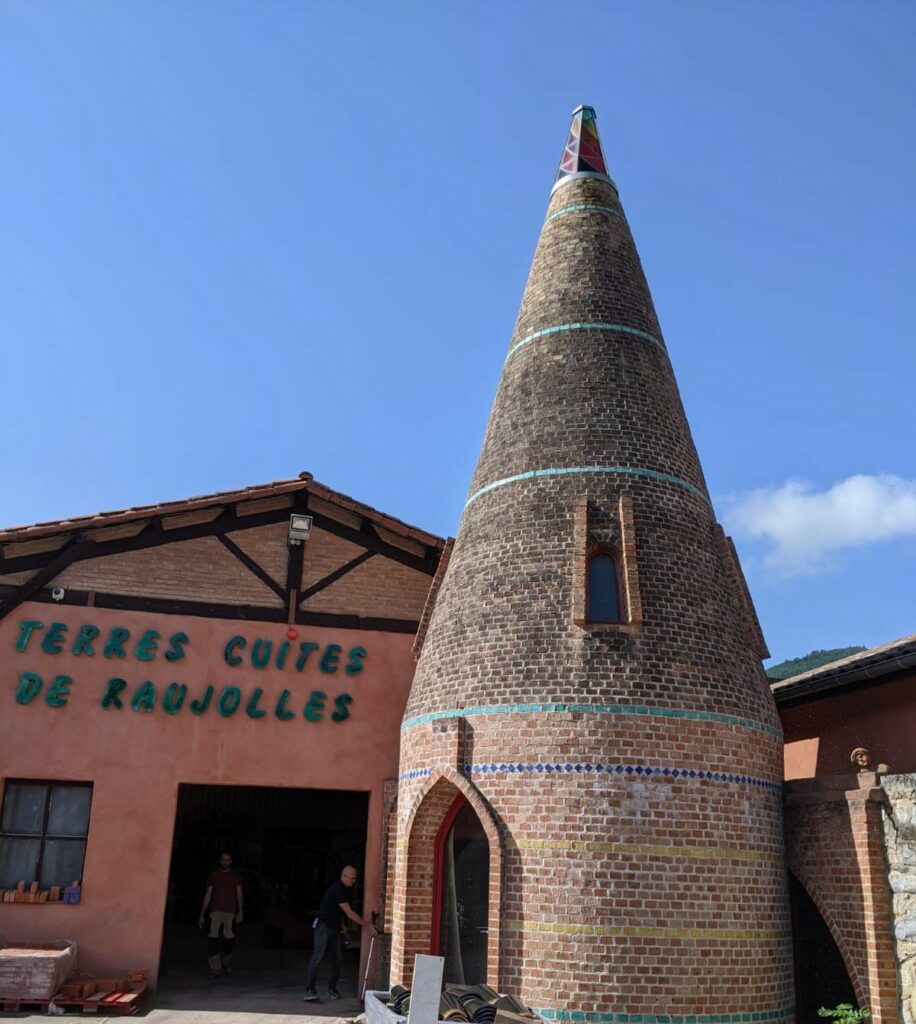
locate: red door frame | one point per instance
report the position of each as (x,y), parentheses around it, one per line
(438,865)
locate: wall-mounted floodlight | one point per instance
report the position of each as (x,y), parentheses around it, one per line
(299,528)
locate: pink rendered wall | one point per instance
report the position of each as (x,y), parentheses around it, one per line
(136,759)
(821,735)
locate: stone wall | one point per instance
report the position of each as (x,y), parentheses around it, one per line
(900,839)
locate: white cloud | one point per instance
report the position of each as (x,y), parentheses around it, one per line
(804,526)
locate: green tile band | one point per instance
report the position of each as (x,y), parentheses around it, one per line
(665,1018)
(593,709)
(595,326)
(649,474)
(612,210)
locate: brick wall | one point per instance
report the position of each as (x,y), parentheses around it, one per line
(835,849)
(193,570)
(413,895)
(268,546)
(377,587)
(203,570)
(632,772)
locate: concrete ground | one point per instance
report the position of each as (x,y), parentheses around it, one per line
(255,997)
(266,987)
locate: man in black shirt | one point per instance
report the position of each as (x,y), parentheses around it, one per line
(334,905)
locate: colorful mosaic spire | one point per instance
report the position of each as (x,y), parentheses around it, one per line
(582,155)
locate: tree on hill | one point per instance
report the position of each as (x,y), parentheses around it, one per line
(795,666)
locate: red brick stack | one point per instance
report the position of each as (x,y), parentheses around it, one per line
(627,774)
(32,972)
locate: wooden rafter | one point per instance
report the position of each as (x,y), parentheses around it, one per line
(251,565)
(333,577)
(81,546)
(75,549)
(209,609)
(367,538)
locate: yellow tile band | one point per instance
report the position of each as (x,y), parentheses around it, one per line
(698,852)
(627,931)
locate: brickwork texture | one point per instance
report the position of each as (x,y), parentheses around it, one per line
(203,570)
(627,774)
(835,845)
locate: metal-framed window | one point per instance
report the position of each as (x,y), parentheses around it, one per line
(602,598)
(43,829)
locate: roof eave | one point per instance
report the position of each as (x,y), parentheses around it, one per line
(864,671)
(257,492)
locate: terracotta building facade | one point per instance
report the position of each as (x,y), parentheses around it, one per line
(181,679)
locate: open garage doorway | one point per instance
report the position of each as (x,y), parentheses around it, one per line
(288,845)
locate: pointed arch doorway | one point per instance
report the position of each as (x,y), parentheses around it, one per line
(461,897)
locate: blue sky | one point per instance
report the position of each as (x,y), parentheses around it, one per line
(243,239)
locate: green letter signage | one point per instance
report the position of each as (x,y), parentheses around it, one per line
(229,701)
(57,695)
(29,687)
(315,706)
(144,698)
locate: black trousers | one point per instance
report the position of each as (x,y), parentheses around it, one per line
(327,945)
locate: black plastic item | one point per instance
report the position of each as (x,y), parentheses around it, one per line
(400,1000)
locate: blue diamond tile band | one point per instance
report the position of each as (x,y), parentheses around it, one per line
(415,773)
(621,771)
(584,1016)
(594,709)
(532,474)
(617,328)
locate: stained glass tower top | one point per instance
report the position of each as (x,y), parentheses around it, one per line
(582,157)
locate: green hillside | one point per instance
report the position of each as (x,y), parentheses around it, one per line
(795,666)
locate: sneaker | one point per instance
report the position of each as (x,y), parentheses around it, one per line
(332,993)
(310,996)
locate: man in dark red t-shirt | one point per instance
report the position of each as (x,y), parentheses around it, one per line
(223,899)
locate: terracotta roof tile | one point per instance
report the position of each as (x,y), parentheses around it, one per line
(304,481)
(882,653)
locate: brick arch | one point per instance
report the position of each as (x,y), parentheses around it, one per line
(835,848)
(836,932)
(389,854)
(414,895)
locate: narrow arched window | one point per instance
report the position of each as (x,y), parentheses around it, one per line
(603,595)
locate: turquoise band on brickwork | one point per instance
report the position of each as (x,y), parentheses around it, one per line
(649,474)
(612,210)
(593,709)
(595,326)
(665,1018)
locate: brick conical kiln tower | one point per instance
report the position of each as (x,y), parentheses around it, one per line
(589,807)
